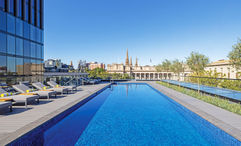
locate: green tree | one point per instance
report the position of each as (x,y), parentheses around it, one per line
(177,67)
(159,67)
(235,55)
(197,62)
(166,65)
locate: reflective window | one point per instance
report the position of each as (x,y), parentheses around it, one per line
(26,10)
(32,33)
(19,66)
(38,36)
(38,66)
(38,19)
(33,67)
(11,24)
(11,6)
(3,65)
(39,51)
(33,16)
(26,30)
(42,54)
(42,36)
(33,50)
(3,24)
(3,42)
(27,67)
(2,4)
(19,46)
(26,48)
(19,4)
(11,44)
(19,27)
(11,65)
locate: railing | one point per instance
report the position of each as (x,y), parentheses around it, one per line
(223,87)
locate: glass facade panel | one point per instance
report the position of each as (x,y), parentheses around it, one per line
(32,33)
(32,16)
(2,4)
(19,46)
(26,48)
(38,19)
(11,45)
(19,27)
(42,36)
(26,10)
(11,6)
(3,42)
(19,66)
(11,24)
(33,67)
(19,8)
(27,67)
(38,50)
(26,30)
(11,65)
(37,33)
(33,50)
(42,54)
(3,24)
(3,65)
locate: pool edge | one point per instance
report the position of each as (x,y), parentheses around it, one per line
(229,129)
(57,115)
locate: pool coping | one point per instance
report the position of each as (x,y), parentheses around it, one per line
(175,95)
(13,137)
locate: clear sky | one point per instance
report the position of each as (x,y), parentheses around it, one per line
(101,30)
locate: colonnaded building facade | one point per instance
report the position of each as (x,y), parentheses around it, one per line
(140,72)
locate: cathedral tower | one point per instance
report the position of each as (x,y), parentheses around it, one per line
(127,58)
(136,62)
(130,61)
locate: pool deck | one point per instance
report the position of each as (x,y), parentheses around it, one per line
(20,121)
(223,119)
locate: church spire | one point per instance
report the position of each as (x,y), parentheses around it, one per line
(127,58)
(136,62)
(130,61)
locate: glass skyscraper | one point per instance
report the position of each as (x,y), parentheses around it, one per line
(21,40)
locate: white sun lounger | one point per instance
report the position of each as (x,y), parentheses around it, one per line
(25,89)
(41,86)
(20,98)
(54,85)
(5,105)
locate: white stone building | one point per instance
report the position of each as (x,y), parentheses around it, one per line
(225,68)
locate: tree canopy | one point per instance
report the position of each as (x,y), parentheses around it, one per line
(197,62)
(235,55)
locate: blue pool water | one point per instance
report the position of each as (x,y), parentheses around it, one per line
(230,94)
(134,114)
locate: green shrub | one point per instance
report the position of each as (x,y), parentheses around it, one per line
(222,103)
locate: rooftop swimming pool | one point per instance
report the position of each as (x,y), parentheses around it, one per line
(133,114)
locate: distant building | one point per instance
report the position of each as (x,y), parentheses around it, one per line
(225,68)
(140,72)
(82,66)
(55,65)
(94,65)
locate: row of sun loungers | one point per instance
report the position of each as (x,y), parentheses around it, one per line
(28,95)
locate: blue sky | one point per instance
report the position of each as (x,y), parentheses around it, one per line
(101,30)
